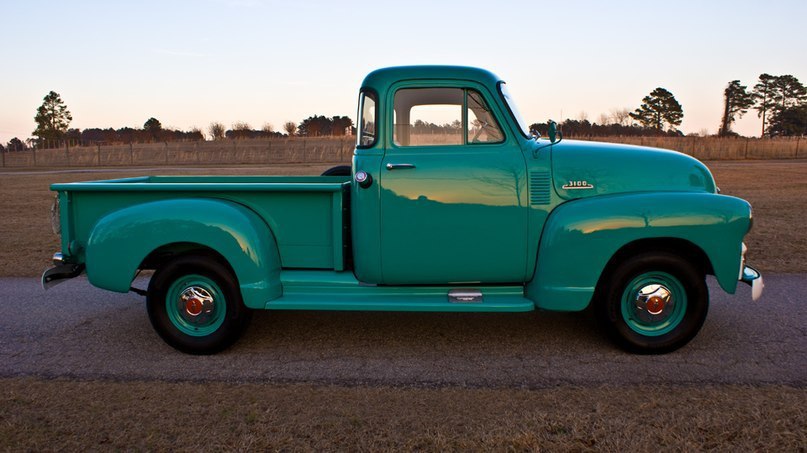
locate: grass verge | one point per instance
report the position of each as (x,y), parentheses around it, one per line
(55,414)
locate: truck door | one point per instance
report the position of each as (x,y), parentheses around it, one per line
(453,191)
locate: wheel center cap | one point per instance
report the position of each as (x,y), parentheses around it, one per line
(194,306)
(655,305)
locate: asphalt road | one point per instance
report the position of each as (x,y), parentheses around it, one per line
(77,331)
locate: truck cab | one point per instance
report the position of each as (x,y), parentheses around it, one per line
(450,197)
(451,204)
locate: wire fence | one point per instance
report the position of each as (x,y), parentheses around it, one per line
(340,150)
(246,151)
(720,148)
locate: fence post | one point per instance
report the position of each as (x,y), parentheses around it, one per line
(798,140)
(746,148)
(67,152)
(34,152)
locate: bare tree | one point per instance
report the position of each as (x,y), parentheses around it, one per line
(604,119)
(621,116)
(289,127)
(216,131)
(268,128)
(241,126)
(197,131)
(583,116)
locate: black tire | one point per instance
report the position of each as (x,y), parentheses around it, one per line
(213,316)
(646,322)
(339,170)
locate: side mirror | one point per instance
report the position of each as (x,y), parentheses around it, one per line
(553,131)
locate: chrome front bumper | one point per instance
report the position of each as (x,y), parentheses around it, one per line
(753,278)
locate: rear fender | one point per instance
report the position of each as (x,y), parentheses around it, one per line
(120,241)
(581,236)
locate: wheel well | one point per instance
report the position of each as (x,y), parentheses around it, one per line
(681,247)
(157,258)
(339,170)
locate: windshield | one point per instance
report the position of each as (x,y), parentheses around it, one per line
(513,109)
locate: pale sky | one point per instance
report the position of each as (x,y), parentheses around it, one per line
(188,63)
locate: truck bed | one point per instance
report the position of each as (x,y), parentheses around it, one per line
(307,214)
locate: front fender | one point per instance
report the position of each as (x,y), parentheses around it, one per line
(581,236)
(121,240)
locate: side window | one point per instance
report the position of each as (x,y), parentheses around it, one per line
(442,116)
(428,116)
(482,126)
(367,119)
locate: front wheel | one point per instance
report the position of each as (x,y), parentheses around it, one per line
(194,304)
(653,303)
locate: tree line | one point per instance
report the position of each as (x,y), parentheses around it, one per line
(780,102)
(53,120)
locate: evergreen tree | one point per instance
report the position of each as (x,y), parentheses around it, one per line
(788,92)
(154,128)
(791,121)
(737,101)
(764,94)
(52,118)
(658,108)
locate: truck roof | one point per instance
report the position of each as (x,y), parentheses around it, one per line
(382,78)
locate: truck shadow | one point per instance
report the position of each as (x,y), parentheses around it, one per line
(389,333)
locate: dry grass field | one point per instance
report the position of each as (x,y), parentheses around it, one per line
(39,414)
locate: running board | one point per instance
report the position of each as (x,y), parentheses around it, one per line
(327,290)
(498,303)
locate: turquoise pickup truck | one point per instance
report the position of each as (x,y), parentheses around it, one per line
(451,204)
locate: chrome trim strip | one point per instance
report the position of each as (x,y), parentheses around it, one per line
(465,296)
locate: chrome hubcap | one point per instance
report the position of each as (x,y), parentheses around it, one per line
(653,303)
(198,303)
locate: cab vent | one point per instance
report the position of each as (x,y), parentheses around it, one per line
(540,186)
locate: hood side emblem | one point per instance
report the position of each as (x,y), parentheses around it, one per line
(577,185)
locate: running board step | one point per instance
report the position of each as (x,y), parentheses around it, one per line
(401,302)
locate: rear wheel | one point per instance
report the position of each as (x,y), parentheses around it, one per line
(194,304)
(653,303)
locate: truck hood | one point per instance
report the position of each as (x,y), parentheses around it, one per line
(585,169)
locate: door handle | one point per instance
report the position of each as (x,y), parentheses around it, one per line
(399,166)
